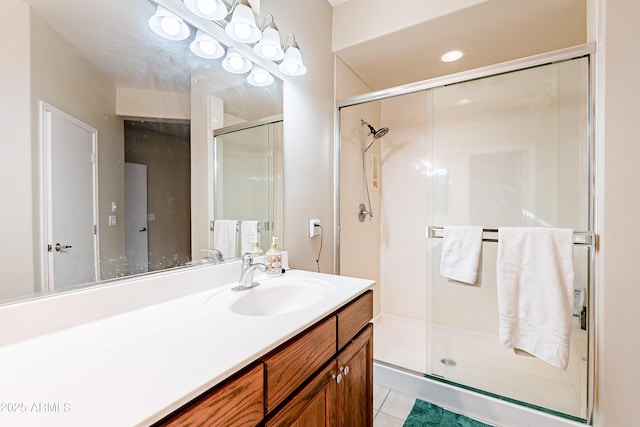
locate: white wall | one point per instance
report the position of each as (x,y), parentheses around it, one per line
(140,103)
(16,254)
(618,316)
(64,78)
(308,131)
(403,246)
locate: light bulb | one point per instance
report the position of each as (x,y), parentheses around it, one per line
(292,67)
(260,78)
(208,7)
(236,62)
(242,30)
(452,55)
(170,25)
(208,47)
(269,51)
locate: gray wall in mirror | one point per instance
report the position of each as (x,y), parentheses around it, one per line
(104,72)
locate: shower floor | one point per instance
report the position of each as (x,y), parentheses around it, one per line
(481,363)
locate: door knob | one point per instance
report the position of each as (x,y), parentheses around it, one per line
(60,247)
(143,229)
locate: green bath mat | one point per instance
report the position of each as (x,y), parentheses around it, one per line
(425,414)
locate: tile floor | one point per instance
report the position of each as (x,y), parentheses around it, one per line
(390,407)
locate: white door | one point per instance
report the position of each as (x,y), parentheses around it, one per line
(70,199)
(135,218)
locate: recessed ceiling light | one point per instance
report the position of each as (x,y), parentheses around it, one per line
(452,55)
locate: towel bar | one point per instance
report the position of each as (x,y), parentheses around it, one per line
(580,238)
(262,226)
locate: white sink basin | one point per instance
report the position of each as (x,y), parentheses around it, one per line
(281,296)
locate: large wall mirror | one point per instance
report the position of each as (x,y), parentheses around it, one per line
(122,150)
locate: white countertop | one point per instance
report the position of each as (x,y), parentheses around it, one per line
(135,367)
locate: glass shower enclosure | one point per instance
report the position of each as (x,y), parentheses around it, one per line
(505,150)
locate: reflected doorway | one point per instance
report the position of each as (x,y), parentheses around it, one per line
(165,149)
(69,149)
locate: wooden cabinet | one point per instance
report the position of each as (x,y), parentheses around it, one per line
(293,363)
(239,401)
(313,406)
(340,395)
(355,392)
(322,377)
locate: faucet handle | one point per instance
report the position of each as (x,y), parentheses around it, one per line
(215,254)
(247,260)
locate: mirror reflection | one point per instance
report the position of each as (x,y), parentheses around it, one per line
(248,188)
(117,130)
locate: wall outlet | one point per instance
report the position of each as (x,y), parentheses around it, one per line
(314,227)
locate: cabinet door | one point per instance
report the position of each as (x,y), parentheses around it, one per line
(355,391)
(313,406)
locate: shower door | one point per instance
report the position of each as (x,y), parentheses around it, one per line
(511,150)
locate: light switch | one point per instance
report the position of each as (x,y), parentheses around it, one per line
(112,220)
(114,207)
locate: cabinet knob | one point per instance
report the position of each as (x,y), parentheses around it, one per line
(338,378)
(345,370)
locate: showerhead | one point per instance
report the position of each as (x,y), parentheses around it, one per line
(377,134)
(380,133)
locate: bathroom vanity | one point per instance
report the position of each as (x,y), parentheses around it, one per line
(296,347)
(324,374)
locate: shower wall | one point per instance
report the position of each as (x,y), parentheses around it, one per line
(359,241)
(403,247)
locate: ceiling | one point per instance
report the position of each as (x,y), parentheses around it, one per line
(120,44)
(489,33)
(123,47)
(115,37)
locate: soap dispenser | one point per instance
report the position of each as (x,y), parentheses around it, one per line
(256,250)
(274,259)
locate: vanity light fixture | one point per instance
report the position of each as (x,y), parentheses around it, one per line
(242,27)
(269,45)
(292,64)
(168,25)
(259,77)
(206,46)
(452,55)
(208,9)
(236,63)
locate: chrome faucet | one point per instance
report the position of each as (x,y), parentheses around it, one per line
(248,270)
(215,256)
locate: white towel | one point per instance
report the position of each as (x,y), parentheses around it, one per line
(224,237)
(461,253)
(535,291)
(248,235)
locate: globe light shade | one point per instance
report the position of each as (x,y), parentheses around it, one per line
(168,25)
(206,46)
(242,27)
(260,77)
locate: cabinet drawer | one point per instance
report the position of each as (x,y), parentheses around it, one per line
(354,317)
(238,402)
(288,367)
